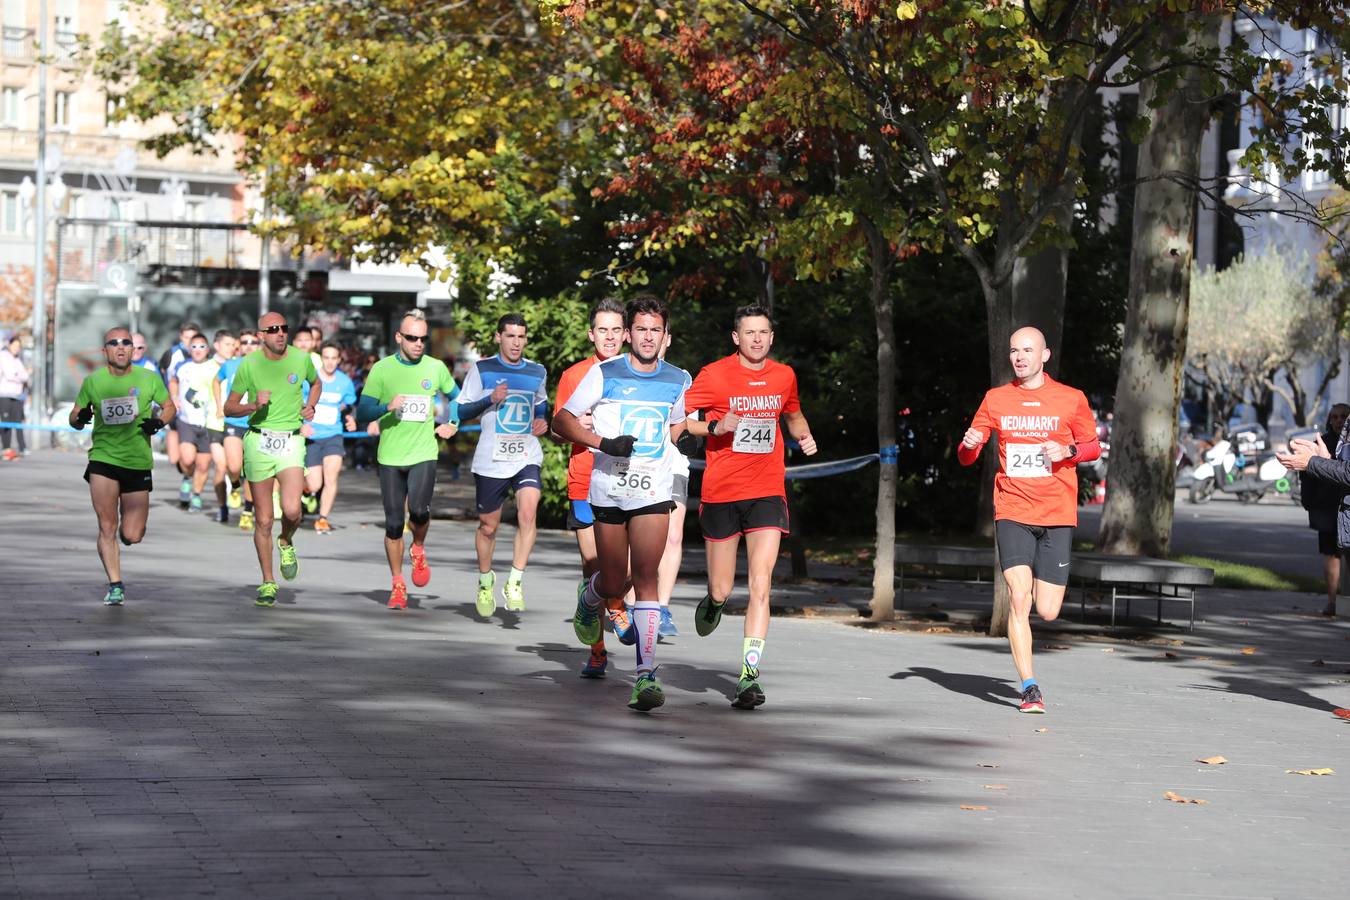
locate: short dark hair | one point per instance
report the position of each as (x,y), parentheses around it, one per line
(316,331)
(248,331)
(752,311)
(222,333)
(511,319)
(330,345)
(607,305)
(189,326)
(645,304)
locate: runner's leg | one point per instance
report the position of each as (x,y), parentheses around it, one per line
(394,495)
(722,567)
(1021,587)
(332,469)
(104,493)
(761,550)
(262,525)
(201,467)
(218,460)
(672,556)
(485,539)
(135,509)
(527,511)
(292,483)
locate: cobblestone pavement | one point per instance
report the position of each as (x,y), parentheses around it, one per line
(190,744)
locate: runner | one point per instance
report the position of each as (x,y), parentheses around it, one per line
(303,340)
(637,403)
(507,391)
(325,449)
(119,400)
(225,345)
(274,457)
(674,552)
(190,386)
(167,363)
(743,398)
(399,396)
(1045,429)
(138,357)
(606,335)
(235,429)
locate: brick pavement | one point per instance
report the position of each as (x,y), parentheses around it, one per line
(189,744)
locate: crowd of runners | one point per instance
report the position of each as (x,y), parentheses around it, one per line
(267,412)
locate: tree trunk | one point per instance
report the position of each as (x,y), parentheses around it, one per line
(879,289)
(1138,514)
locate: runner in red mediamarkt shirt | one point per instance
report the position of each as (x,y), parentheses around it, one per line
(1045,429)
(742,398)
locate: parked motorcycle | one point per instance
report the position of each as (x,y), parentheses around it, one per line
(1239,465)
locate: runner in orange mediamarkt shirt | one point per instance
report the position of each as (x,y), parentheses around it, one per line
(1045,429)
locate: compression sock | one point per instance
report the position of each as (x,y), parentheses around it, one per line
(646,623)
(752,651)
(1028,682)
(590,598)
(485,579)
(515,575)
(248,506)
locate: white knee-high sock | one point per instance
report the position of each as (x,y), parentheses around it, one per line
(646,621)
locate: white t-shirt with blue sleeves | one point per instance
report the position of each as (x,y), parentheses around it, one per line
(645,405)
(506,444)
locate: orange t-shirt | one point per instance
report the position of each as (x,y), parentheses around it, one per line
(1028,487)
(582,460)
(749,463)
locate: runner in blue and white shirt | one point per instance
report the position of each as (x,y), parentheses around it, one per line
(507,393)
(324,447)
(636,402)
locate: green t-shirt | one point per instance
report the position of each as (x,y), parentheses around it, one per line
(121,403)
(406,440)
(285,378)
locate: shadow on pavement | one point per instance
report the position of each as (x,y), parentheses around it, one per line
(982,687)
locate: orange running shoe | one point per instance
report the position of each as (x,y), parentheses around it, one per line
(622,622)
(421,572)
(398,595)
(322,526)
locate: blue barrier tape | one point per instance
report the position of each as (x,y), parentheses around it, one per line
(889,454)
(814,470)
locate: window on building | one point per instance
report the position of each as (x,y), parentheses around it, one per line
(11,213)
(61,109)
(11,108)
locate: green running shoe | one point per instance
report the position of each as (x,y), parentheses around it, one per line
(647,693)
(586,622)
(707,616)
(115,597)
(290,563)
(748,692)
(309,503)
(514,593)
(486,602)
(267,594)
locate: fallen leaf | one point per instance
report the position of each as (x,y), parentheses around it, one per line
(1177,798)
(987,765)
(1041,730)
(1170,655)
(1248,651)
(972,806)
(1108,649)
(1343,713)
(1056,647)
(1310,771)
(938,629)
(996,787)
(1212,760)
(1318,662)
(1200,657)
(1175,642)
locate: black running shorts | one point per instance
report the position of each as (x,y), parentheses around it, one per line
(613,515)
(129,481)
(1045,548)
(724,521)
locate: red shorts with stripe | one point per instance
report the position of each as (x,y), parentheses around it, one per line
(724,521)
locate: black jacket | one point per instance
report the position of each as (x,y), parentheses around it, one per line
(1325,494)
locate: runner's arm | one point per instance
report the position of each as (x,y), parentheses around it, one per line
(315,392)
(984,424)
(167,410)
(235,405)
(567,427)
(800,431)
(474,408)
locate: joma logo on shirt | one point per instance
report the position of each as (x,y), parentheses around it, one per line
(1029,423)
(764,403)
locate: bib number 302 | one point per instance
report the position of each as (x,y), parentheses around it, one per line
(119,410)
(1027,461)
(415,409)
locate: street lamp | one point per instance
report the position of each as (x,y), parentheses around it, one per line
(40,383)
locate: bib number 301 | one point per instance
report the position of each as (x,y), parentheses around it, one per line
(275,443)
(510,448)
(1027,461)
(119,410)
(755,436)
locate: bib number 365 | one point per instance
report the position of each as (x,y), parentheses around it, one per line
(510,448)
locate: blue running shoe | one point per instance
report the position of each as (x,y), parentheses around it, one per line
(596,664)
(667,627)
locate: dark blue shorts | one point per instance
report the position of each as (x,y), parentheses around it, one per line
(490,493)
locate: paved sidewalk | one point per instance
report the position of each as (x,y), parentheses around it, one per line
(190,744)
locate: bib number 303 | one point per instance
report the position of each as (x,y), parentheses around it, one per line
(275,443)
(119,410)
(1027,461)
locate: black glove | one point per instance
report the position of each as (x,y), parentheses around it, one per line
(687,444)
(85,415)
(618,446)
(151,426)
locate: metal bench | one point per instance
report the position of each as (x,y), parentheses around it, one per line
(1137,578)
(977,558)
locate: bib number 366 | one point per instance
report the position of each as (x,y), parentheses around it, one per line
(631,480)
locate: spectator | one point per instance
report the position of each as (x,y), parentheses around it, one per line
(14,377)
(1322,499)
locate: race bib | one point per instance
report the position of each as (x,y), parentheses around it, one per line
(633,479)
(119,410)
(755,436)
(510,448)
(415,409)
(275,443)
(1027,461)
(325,415)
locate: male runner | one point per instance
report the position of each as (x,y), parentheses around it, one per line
(674,552)
(167,363)
(190,386)
(274,453)
(637,404)
(226,345)
(138,351)
(235,429)
(118,399)
(507,391)
(400,397)
(1044,430)
(743,397)
(325,449)
(606,335)
(303,339)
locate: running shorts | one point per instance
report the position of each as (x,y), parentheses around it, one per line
(129,481)
(724,521)
(1327,544)
(491,492)
(260,466)
(410,485)
(196,435)
(579,515)
(615,515)
(1045,548)
(317,451)
(236,431)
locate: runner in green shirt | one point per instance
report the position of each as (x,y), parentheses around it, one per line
(119,401)
(274,451)
(401,391)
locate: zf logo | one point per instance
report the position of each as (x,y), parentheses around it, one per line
(647,423)
(513,416)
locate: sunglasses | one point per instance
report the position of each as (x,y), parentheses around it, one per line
(197,347)
(118,342)
(249,343)
(415,338)
(277,329)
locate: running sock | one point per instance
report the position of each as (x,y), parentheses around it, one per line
(752,650)
(647,621)
(591,598)
(248,506)
(1028,682)
(114,585)
(485,579)
(515,576)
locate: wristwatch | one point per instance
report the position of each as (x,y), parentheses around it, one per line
(712,426)
(1073,451)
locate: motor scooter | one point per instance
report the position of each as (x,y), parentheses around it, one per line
(1241,465)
